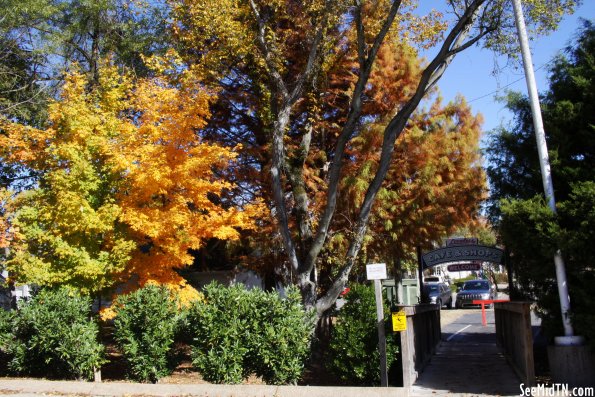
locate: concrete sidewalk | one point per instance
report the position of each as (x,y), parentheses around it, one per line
(30,387)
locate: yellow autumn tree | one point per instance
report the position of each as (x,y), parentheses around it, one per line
(126,186)
(66,229)
(4,224)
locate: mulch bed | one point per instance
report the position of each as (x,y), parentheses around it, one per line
(315,374)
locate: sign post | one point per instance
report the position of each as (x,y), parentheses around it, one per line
(377,272)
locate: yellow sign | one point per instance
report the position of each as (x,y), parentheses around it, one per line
(399,321)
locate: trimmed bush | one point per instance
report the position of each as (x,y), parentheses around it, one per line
(279,341)
(52,335)
(6,319)
(239,332)
(6,337)
(145,325)
(353,350)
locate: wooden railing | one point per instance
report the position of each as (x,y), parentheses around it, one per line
(514,336)
(419,341)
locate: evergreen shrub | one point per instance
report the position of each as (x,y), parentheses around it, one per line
(239,332)
(52,335)
(353,349)
(145,326)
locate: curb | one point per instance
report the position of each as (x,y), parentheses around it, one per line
(40,387)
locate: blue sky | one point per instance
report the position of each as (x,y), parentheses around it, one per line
(470,74)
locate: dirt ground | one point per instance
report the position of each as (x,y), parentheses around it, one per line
(115,371)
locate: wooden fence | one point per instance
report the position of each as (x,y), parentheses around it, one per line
(515,337)
(419,341)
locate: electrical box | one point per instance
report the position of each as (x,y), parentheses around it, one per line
(410,292)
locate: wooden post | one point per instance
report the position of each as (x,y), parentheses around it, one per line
(381,335)
(97,374)
(528,363)
(420,270)
(508,265)
(406,354)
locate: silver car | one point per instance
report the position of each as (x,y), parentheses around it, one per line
(474,290)
(438,293)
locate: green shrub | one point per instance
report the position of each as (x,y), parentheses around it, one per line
(280,336)
(239,332)
(145,325)
(52,335)
(501,278)
(218,329)
(6,319)
(6,337)
(353,350)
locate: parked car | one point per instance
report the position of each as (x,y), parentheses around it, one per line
(474,290)
(438,293)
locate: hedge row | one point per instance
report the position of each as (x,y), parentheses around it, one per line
(233,334)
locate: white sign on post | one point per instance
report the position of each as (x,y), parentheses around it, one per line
(376,271)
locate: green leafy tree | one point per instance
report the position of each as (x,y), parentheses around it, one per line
(532,233)
(40,40)
(62,32)
(528,228)
(568,110)
(66,230)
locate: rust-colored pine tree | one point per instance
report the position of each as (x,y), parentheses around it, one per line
(434,186)
(271,59)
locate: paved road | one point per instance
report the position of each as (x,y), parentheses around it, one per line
(468,362)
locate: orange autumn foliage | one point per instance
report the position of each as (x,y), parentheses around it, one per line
(170,199)
(434,186)
(162,183)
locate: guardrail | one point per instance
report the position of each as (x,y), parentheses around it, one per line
(514,336)
(419,341)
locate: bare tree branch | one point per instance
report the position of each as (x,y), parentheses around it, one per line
(283,112)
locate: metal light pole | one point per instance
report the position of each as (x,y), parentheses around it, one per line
(546,176)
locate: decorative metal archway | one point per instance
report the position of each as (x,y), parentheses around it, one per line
(460,253)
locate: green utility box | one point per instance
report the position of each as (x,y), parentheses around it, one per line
(410,292)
